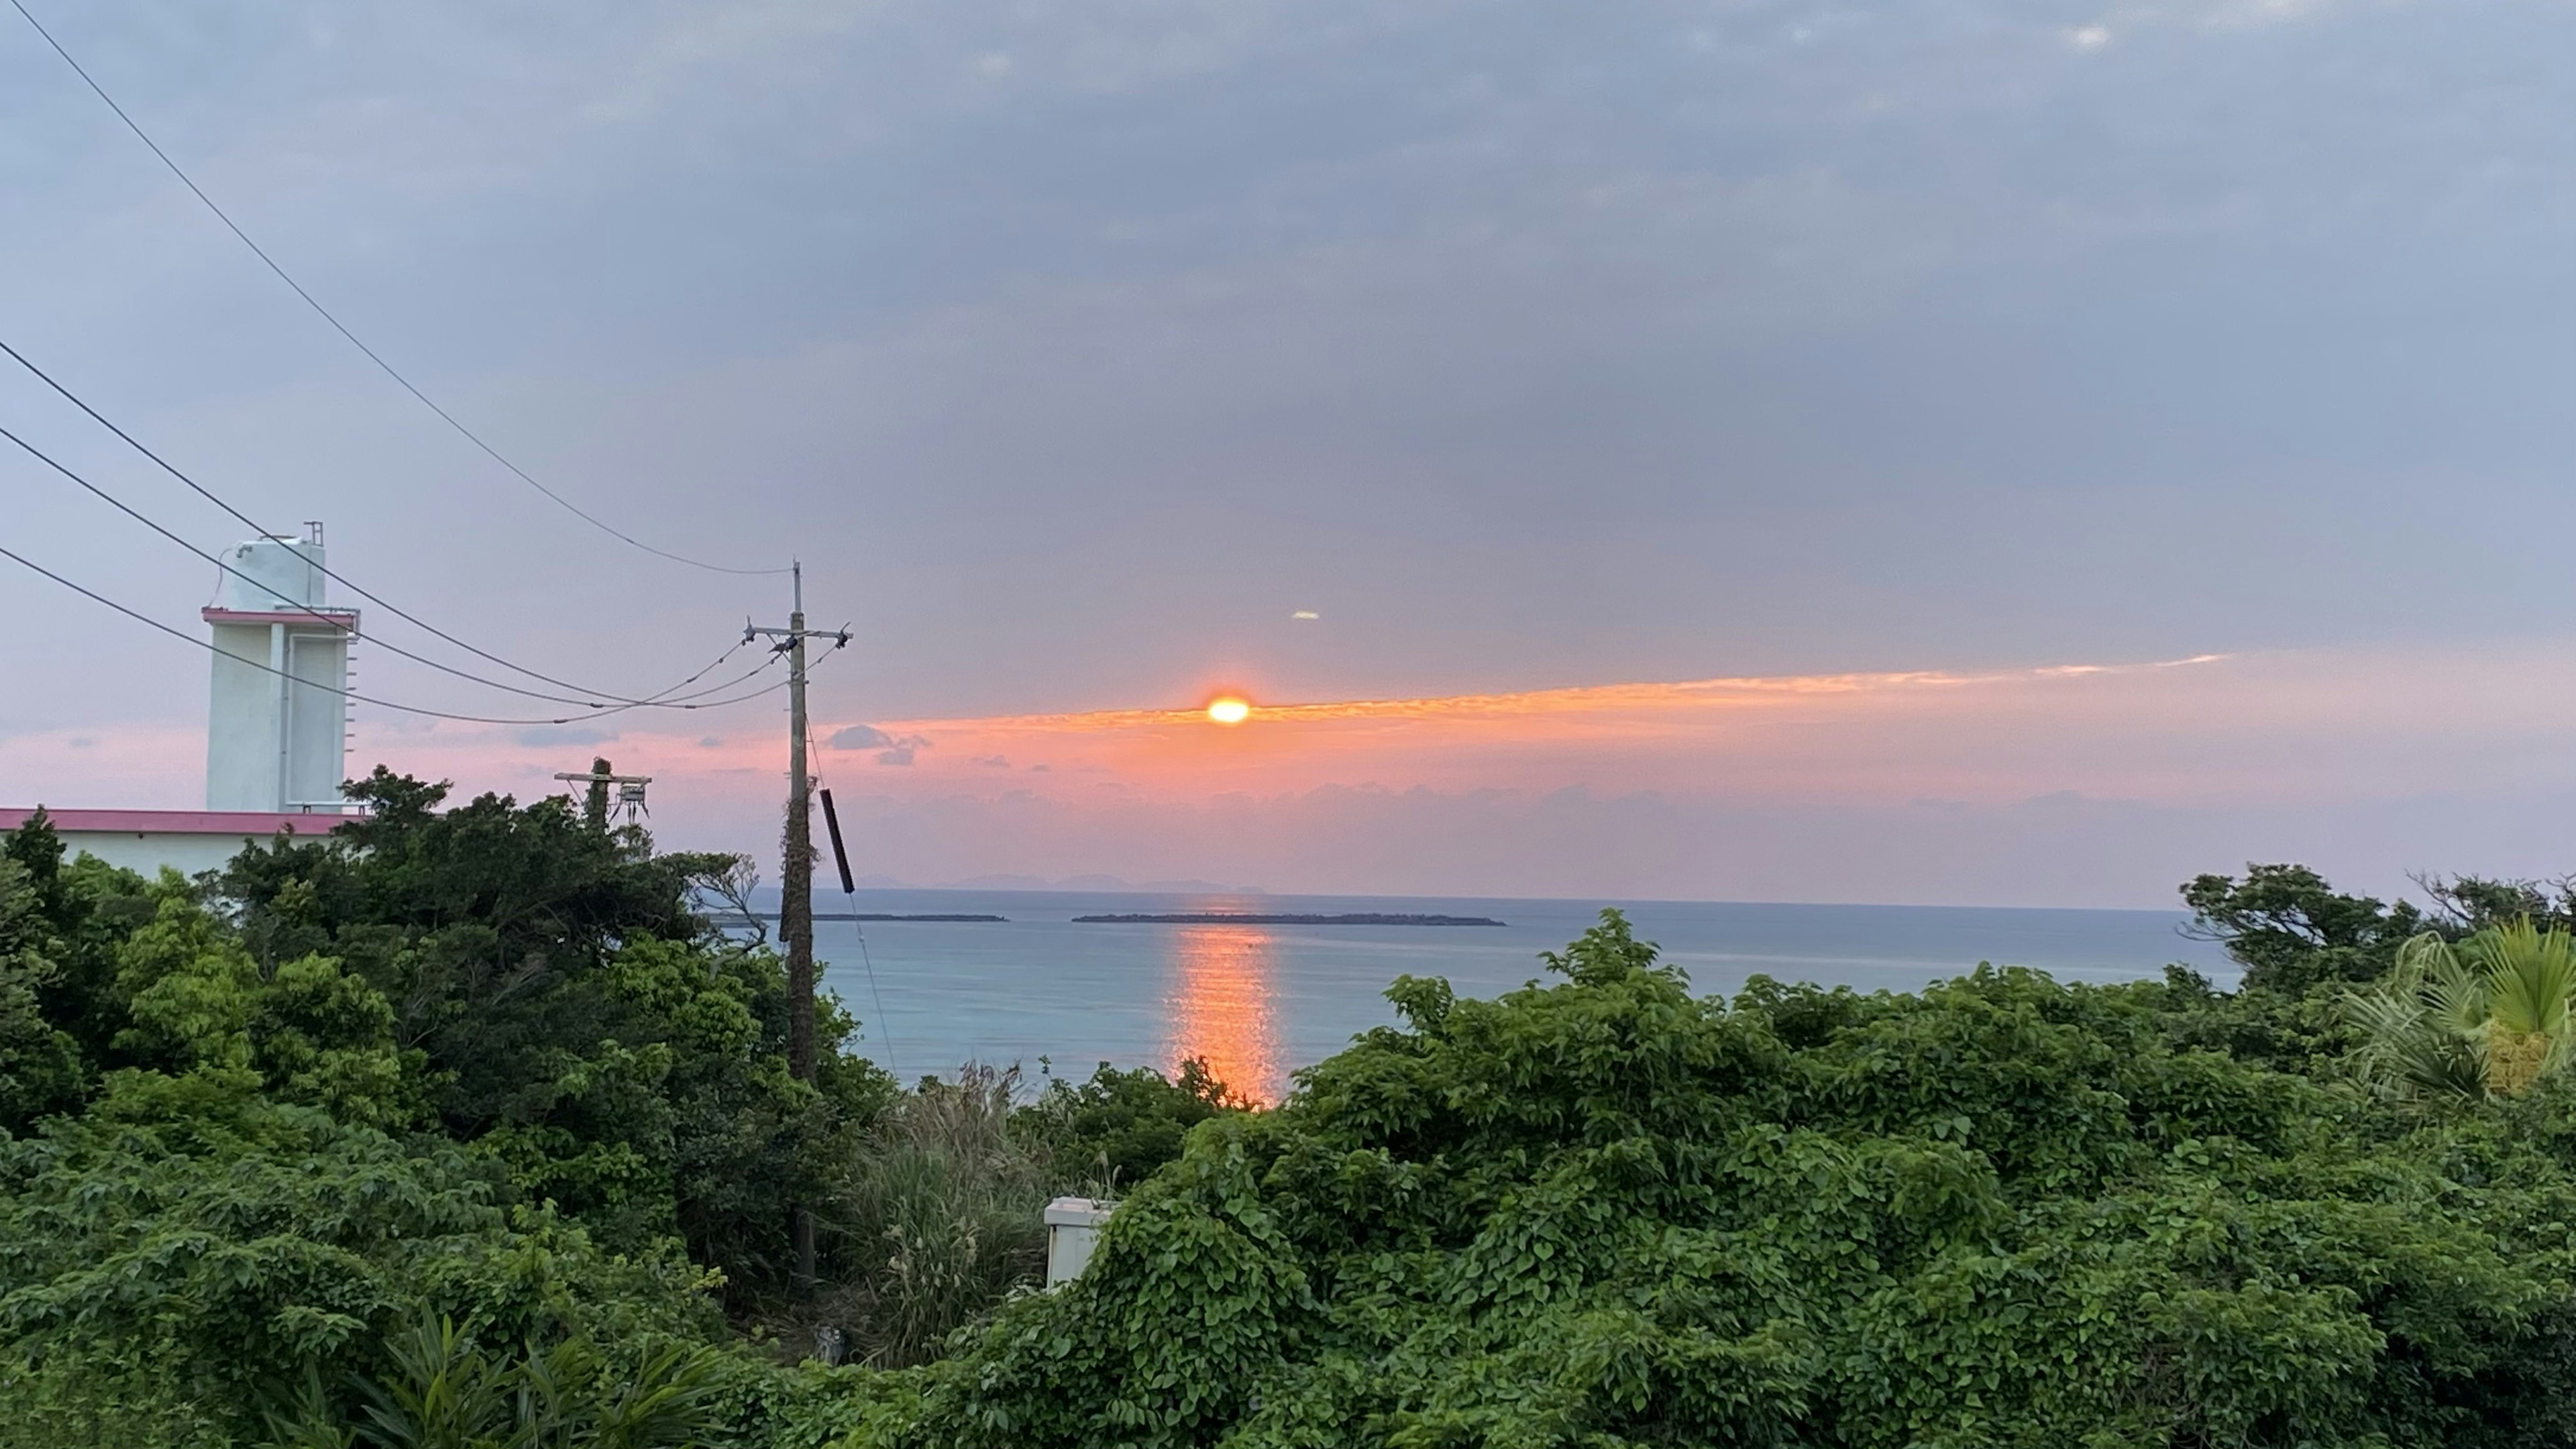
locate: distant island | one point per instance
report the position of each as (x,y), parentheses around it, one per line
(1248,918)
(850,916)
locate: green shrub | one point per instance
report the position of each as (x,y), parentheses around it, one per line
(189,1234)
(440,1387)
(940,1215)
(1117,1128)
(1607,1213)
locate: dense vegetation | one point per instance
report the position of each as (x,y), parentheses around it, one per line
(468,1102)
(467,1129)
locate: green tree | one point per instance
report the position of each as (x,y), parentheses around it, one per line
(61,924)
(571,1013)
(193,998)
(1119,1126)
(40,1064)
(2290,930)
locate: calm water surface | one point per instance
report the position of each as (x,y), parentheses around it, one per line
(1261,1001)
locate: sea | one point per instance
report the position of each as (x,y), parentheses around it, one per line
(1051,996)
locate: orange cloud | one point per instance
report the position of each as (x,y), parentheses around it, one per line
(1626,735)
(1900,785)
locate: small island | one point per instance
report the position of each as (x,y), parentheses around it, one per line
(1250,918)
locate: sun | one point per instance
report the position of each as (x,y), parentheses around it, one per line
(1229,709)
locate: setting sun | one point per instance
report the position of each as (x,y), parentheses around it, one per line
(1229,709)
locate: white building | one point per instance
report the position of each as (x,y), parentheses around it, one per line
(277,719)
(277,722)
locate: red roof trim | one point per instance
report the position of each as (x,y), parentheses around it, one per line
(177,822)
(344,618)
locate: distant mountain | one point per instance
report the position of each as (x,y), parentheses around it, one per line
(1098,884)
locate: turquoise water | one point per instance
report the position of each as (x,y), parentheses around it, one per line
(1261,1001)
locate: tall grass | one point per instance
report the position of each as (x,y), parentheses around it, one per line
(942,1215)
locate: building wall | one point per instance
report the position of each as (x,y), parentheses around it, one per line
(149,851)
(317,719)
(245,751)
(241,722)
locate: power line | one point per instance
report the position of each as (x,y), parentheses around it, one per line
(885,1024)
(336,325)
(341,621)
(208,645)
(396,610)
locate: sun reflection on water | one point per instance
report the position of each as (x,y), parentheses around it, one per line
(1219,1006)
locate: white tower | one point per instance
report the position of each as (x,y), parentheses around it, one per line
(277,722)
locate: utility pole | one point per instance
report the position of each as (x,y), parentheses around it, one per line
(796,878)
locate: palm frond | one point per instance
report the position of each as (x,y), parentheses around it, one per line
(2409,1050)
(2530,974)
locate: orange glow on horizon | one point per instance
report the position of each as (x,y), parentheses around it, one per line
(1229,709)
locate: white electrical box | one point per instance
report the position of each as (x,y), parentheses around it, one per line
(1073,1226)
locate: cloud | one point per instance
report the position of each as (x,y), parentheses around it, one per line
(901,749)
(892,749)
(993,762)
(2071,785)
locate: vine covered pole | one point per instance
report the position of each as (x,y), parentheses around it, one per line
(796,882)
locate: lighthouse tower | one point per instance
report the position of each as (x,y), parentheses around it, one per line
(278,720)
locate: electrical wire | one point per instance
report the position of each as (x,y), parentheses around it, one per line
(208,645)
(255,526)
(341,621)
(336,325)
(885,1026)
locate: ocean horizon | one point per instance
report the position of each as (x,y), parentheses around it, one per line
(1055,996)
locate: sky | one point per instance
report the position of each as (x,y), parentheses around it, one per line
(1984,453)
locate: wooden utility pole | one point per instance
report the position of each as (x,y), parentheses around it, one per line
(796,881)
(796,874)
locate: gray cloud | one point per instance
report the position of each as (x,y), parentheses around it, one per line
(1538,345)
(891,749)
